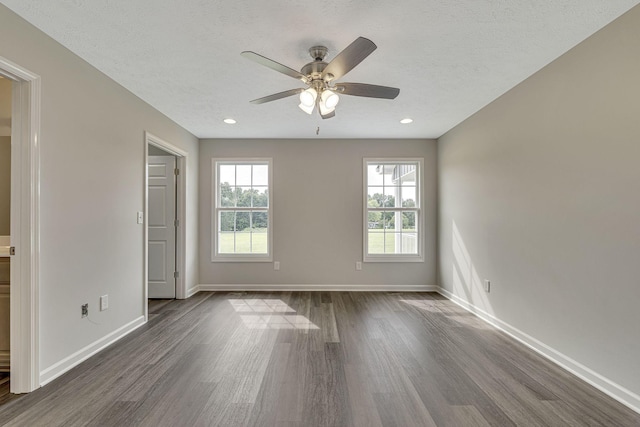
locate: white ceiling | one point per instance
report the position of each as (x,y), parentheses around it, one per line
(448,57)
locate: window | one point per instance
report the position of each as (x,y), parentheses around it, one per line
(393,210)
(242,210)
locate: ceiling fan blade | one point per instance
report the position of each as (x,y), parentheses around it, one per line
(278,95)
(328,115)
(351,56)
(370,91)
(262,60)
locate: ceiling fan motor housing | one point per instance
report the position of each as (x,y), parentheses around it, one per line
(314,69)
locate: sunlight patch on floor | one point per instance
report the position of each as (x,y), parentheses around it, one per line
(270,314)
(277,322)
(260,306)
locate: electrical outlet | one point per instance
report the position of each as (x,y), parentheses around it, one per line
(487,286)
(85,309)
(276,265)
(104,302)
(358,265)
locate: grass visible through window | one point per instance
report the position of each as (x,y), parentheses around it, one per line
(246,242)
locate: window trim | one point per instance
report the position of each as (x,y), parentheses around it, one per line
(419,257)
(215,257)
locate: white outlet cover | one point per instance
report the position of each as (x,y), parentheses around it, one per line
(104,302)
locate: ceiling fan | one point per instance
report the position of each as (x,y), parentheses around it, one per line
(319,76)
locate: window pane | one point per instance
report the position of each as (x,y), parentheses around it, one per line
(260,197)
(261,175)
(408,196)
(244,196)
(388,174)
(375,197)
(226,235)
(243,242)
(243,220)
(406,173)
(388,220)
(226,242)
(260,221)
(390,194)
(227,174)
(374,220)
(227,196)
(390,242)
(259,240)
(376,241)
(409,243)
(243,174)
(409,222)
(226,221)
(374,174)
(243,232)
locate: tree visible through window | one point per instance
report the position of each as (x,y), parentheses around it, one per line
(242,209)
(392,194)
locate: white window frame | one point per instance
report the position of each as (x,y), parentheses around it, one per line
(419,208)
(215,209)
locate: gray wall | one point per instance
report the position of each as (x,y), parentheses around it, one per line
(317,202)
(5,185)
(5,107)
(92,185)
(540,193)
(5,155)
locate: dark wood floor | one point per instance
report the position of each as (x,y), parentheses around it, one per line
(5,396)
(316,359)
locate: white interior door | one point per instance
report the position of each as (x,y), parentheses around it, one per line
(162,227)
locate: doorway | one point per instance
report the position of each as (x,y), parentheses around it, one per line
(5,234)
(162,223)
(165,212)
(24,227)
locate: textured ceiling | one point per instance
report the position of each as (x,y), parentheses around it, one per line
(448,57)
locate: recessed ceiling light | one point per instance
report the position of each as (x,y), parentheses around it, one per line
(230,121)
(405,121)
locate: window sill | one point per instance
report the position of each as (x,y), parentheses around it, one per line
(387,258)
(236,258)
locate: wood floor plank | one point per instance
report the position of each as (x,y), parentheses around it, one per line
(314,359)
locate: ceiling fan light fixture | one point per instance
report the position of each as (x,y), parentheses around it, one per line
(329,99)
(324,110)
(308,100)
(306,109)
(308,97)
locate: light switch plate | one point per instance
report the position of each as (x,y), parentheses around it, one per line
(104,302)
(140,217)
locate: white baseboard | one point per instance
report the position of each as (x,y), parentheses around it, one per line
(614,390)
(54,371)
(336,288)
(192,291)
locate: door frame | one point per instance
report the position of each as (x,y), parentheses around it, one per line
(25,226)
(181,214)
